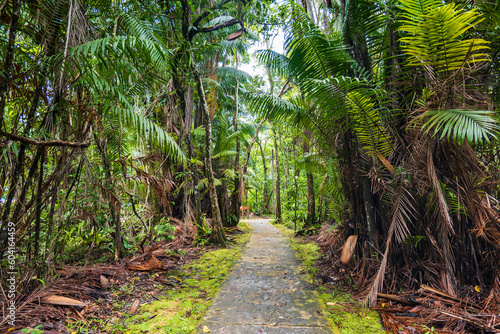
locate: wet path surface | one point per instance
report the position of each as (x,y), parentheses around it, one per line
(266,292)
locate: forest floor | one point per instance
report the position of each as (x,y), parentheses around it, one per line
(267,285)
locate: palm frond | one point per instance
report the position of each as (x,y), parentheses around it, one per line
(437,35)
(402,211)
(459,125)
(275,61)
(148,128)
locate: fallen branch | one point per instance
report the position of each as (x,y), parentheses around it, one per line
(394,298)
(30,141)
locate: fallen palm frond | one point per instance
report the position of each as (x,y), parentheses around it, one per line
(402,212)
(83,293)
(429,307)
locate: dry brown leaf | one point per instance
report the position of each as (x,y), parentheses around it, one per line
(348,249)
(134,307)
(153,263)
(104,282)
(60,300)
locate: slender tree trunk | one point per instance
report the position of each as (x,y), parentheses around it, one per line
(194,169)
(39,204)
(311,204)
(272,180)
(217,236)
(222,204)
(236,196)
(114,202)
(265,208)
(295,181)
(278,185)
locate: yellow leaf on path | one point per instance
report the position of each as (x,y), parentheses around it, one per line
(11,329)
(477,288)
(205,329)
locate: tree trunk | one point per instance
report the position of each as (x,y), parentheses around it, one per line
(192,155)
(369,211)
(217,236)
(113,200)
(278,185)
(235,195)
(311,203)
(39,205)
(265,208)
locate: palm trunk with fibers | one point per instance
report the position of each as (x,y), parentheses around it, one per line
(277,211)
(217,236)
(401,213)
(369,206)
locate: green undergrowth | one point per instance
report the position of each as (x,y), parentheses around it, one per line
(179,310)
(345,315)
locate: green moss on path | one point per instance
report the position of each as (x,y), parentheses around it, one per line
(180,310)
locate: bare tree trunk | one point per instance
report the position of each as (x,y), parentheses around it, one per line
(39,205)
(265,208)
(295,181)
(311,204)
(278,185)
(217,236)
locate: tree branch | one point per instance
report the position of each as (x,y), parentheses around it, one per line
(196,22)
(194,31)
(30,141)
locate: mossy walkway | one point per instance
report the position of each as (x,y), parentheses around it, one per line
(267,292)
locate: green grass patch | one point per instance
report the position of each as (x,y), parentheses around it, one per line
(180,310)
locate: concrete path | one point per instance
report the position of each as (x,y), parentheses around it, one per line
(266,293)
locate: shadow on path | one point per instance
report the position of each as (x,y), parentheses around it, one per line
(266,293)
